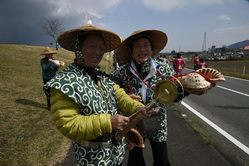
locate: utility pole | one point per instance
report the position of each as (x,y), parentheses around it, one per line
(204,49)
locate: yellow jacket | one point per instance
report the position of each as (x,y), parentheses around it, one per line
(67,118)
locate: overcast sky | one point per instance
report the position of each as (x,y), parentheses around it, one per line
(184,21)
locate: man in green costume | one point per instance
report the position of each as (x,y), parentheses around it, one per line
(86,106)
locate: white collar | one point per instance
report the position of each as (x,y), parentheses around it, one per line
(151,73)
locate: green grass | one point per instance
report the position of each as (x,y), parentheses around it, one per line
(27,135)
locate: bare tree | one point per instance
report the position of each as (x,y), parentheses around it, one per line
(53,28)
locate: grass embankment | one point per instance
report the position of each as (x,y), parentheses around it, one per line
(27,135)
(235,68)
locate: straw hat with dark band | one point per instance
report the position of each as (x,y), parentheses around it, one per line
(48,50)
(158,38)
(68,39)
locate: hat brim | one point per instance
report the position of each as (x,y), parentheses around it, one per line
(159,39)
(53,52)
(68,39)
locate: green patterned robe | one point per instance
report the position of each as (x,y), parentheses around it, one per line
(157,69)
(76,83)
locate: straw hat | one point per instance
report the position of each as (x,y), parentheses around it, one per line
(68,39)
(48,50)
(158,38)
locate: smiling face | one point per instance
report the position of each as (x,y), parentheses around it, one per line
(93,49)
(141,49)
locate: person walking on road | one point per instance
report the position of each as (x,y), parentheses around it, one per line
(178,64)
(196,62)
(202,64)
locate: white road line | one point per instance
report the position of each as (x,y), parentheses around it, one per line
(233,90)
(217,128)
(237,78)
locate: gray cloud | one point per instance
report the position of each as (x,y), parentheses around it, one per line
(22,20)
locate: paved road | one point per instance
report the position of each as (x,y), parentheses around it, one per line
(186,147)
(225,108)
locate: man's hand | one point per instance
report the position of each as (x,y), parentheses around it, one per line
(119,122)
(143,112)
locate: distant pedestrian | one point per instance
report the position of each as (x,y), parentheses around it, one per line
(178,64)
(49,67)
(202,64)
(196,61)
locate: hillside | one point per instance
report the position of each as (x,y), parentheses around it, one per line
(241,44)
(28,136)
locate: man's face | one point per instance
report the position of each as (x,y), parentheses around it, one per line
(141,50)
(49,56)
(93,49)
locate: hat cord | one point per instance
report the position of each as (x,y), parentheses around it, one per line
(78,51)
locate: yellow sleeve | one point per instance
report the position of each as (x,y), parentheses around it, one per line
(126,103)
(68,120)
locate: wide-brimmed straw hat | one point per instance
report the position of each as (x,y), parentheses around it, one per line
(48,50)
(68,39)
(158,38)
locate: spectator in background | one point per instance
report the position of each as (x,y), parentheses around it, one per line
(178,64)
(196,61)
(202,64)
(49,67)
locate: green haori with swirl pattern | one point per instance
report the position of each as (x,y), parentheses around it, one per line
(78,85)
(164,69)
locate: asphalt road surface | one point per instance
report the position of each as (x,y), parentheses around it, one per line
(224,111)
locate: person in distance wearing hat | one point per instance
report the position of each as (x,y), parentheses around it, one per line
(138,51)
(85,105)
(49,69)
